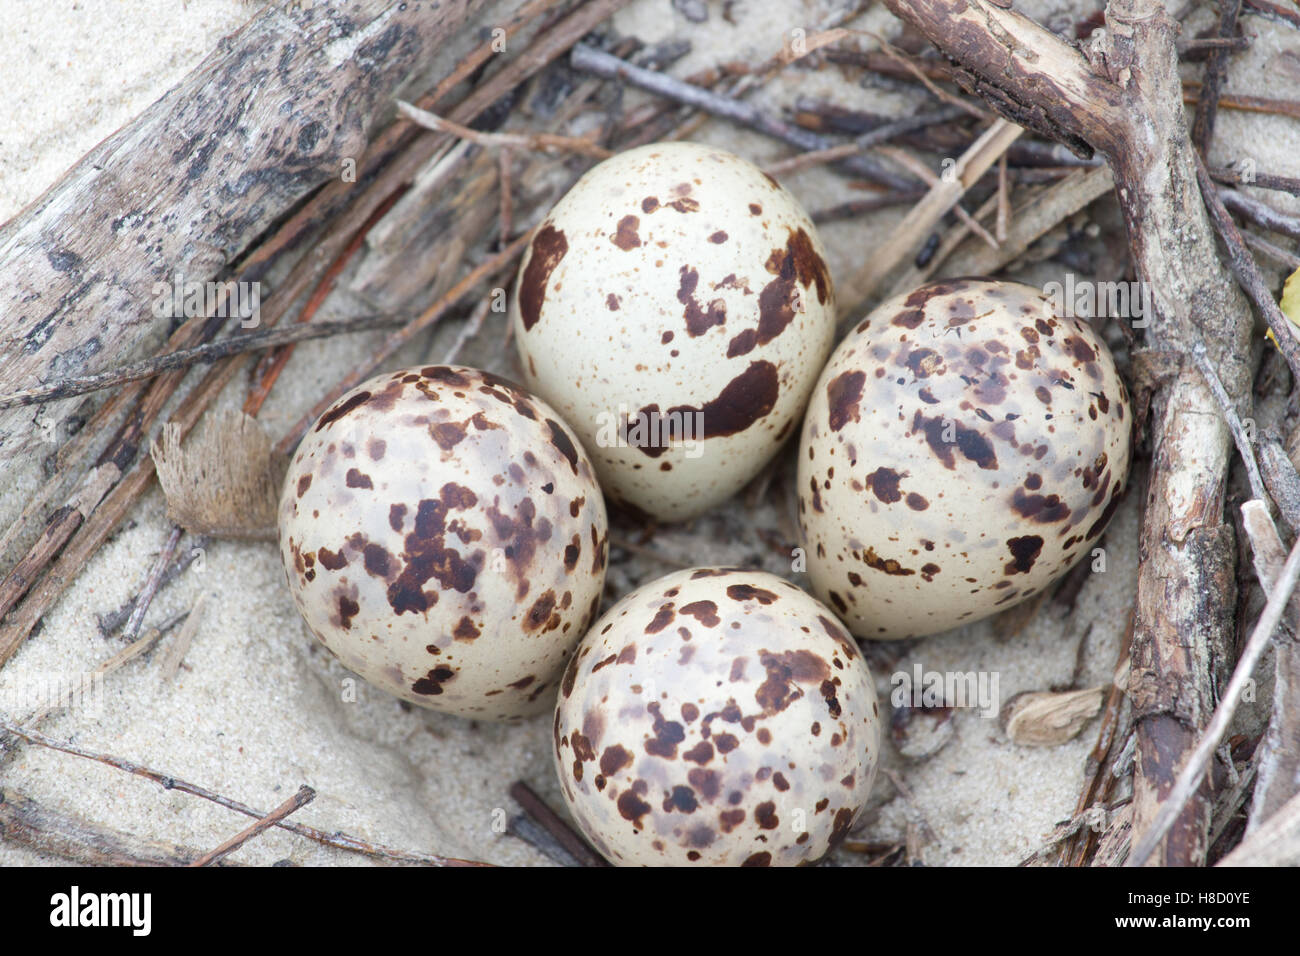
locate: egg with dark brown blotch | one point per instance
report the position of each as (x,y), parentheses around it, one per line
(444,537)
(675,307)
(964,447)
(718,717)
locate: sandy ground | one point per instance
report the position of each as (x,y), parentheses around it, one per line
(258,710)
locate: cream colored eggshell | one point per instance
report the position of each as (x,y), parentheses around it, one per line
(675,276)
(716,717)
(963,448)
(443,535)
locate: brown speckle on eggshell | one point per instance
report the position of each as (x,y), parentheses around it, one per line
(677,330)
(716,716)
(964,447)
(460,560)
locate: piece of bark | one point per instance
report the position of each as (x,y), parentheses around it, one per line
(1127,104)
(1275,843)
(24,822)
(269,115)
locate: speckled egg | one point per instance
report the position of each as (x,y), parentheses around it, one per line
(444,536)
(675,306)
(718,717)
(964,447)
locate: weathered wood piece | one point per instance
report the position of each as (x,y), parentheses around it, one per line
(1124,100)
(278,108)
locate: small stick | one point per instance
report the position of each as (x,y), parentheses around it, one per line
(1207,106)
(857,207)
(487,50)
(133,623)
(222,348)
(1197,45)
(913,276)
(180,647)
(881,134)
(1286,184)
(921,77)
(505,159)
(122,657)
(531,141)
(831,154)
(341,841)
(920,221)
(908,124)
(590,60)
(109,623)
(402,336)
(269,369)
(555,825)
(304,796)
(1276,253)
(914,165)
(1248,104)
(1211,377)
(1190,778)
(1272,11)
(1032,219)
(1261,213)
(1247,273)
(1004,202)
(470,329)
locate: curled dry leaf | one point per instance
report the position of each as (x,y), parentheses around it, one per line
(1046,719)
(225,481)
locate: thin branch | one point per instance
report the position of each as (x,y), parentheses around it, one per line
(860,287)
(555,825)
(1260,213)
(341,841)
(209,352)
(304,796)
(1276,253)
(588,59)
(1236,177)
(1202,359)
(530,141)
(918,168)
(1207,106)
(117,661)
(1247,272)
(112,621)
(151,583)
(178,648)
(271,366)
(404,335)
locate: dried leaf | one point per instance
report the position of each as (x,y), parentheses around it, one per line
(1046,719)
(225,481)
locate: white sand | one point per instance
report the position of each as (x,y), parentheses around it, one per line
(259,710)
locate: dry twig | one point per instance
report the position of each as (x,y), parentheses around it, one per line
(341,841)
(304,796)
